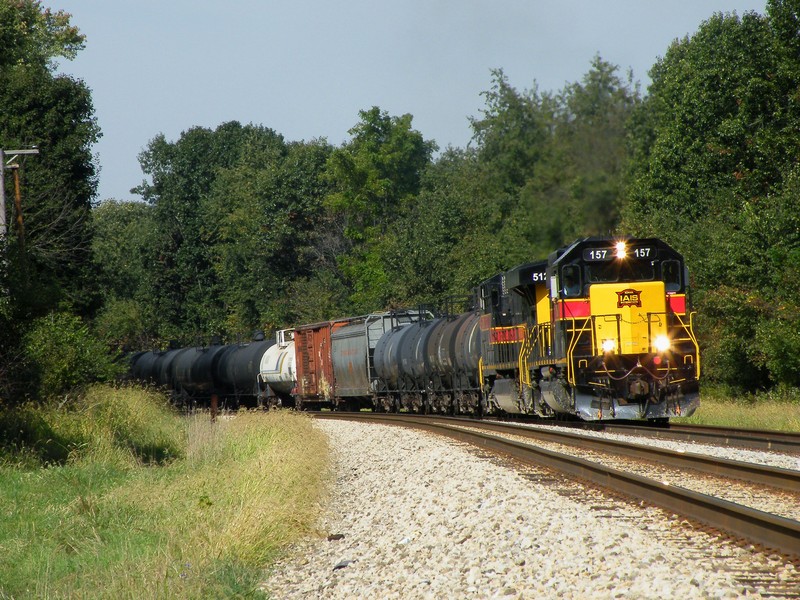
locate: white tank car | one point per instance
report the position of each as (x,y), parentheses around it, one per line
(277,366)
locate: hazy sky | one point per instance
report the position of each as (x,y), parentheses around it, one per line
(306,67)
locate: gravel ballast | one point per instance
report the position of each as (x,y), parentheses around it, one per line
(412,515)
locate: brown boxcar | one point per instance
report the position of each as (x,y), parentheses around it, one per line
(316,383)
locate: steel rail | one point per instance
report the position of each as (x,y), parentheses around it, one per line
(753,439)
(783,479)
(771,531)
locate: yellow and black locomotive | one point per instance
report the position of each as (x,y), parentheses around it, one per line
(600,330)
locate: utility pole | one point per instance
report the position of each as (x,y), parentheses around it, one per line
(3,224)
(13,165)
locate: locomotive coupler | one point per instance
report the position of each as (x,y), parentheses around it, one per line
(638,388)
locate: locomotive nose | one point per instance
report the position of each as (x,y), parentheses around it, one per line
(629,319)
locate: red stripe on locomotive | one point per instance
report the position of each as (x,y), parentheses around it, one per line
(677,303)
(574,309)
(506,335)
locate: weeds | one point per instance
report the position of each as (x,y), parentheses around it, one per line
(142,502)
(777,410)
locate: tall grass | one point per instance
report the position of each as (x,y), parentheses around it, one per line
(123,426)
(778,410)
(151,504)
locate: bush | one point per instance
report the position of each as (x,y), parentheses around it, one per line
(28,438)
(60,354)
(121,426)
(137,422)
(779,341)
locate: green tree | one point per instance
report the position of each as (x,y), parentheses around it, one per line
(123,236)
(51,267)
(374,177)
(261,215)
(512,132)
(182,283)
(717,110)
(591,136)
(775,223)
(235,212)
(545,168)
(714,150)
(577,185)
(33,35)
(420,255)
(54,113)
(446,240)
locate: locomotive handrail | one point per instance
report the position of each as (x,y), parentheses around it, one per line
(690,331)
(546,330)
(534,337)
(543,332)
(577,334)
(524,353)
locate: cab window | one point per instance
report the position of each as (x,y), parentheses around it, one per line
(621,270)
(671,275)
(571,284)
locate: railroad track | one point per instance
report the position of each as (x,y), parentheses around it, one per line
(783,479)
(751,439)
(778,534)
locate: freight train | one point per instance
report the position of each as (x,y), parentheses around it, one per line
(602,329)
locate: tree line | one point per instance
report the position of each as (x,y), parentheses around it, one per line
(240,229)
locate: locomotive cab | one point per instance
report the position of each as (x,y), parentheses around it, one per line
(623,342)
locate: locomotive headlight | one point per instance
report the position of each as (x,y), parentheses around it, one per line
(621,250)
(609,346)
(662,343)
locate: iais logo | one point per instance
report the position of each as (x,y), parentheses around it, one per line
(629,297)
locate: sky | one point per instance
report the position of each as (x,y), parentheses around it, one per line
(305,68)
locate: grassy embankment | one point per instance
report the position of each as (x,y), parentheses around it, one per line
(779,411)
(121,498)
